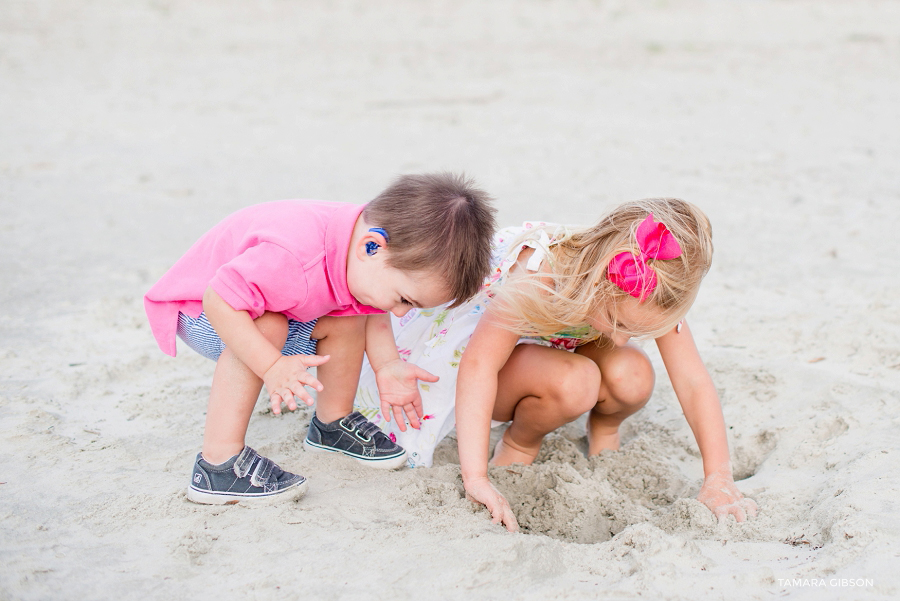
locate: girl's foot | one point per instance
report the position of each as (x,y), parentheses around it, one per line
(602,436)
(602,442)
(507,452)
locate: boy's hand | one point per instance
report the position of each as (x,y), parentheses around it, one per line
(398,388)
(720,494)
(287,378)
(482,491)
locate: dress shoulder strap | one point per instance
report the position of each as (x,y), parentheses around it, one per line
(540,241)
(541,247)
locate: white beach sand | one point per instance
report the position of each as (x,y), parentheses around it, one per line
(128,128)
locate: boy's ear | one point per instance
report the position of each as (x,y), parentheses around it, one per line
(379,236)
(373,241)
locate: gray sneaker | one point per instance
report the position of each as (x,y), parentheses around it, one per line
(245,478)
(356,437)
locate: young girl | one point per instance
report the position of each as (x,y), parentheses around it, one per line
(548,341)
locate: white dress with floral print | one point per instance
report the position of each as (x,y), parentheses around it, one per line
(434,339)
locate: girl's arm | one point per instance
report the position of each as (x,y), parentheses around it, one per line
(284,377)
(397,380)
(476,392)
(703,411)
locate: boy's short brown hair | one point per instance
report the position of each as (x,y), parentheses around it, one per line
(439,223)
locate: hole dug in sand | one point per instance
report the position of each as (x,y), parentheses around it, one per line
(749,455)
(569,497)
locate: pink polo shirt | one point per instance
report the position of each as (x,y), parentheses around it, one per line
(287,256)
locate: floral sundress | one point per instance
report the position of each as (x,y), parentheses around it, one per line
(434,339)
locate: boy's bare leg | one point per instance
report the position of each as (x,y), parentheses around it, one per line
(540,389)
(626,385)
(235,389)
(344,338)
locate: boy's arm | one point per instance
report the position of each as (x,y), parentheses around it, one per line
(380,345)
(237,331)
(703,411)
(476,392)
(284,377)
(397,380)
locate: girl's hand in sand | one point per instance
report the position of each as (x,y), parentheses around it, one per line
(398,388)
(482,491)
(720,494)
(287,378)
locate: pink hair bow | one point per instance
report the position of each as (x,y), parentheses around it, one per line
(631,272)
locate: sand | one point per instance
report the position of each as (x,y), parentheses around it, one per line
(129,128)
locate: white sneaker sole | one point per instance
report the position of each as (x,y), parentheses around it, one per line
(205,497)
(390,463)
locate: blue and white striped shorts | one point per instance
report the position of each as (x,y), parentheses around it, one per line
(199,334)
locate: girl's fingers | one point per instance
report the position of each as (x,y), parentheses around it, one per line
(497,505)
(499,508)
(750,507)
(386,410)
(735,510)
(512,525)
(504,516)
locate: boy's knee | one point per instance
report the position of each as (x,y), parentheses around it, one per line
(629,377)
(274,326)
(351,327)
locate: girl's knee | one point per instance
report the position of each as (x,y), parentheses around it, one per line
(628,377)
(577,384)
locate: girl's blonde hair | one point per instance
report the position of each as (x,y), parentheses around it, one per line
(577,288)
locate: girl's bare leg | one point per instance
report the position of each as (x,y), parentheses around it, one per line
(344,338)
(626,385)
(235,389)
(540,389)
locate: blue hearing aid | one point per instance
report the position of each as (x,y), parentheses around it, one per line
(372,247)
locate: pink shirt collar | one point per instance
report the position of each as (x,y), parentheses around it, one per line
(338,235)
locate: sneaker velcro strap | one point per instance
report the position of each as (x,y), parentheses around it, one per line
(350,422)
(357,424)
(367,429)
(263,470)
(244,463)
